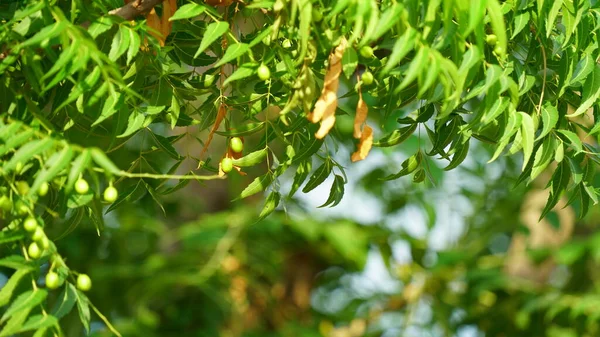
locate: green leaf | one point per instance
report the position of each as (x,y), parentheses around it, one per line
(318,177)
(27,152)
(233,51)
(57,162)
(120,43)
(305,7)
(549,119)
(583,68)
(213,31)
(9,287)
(302,173)
(528,135)
(349,62)
(520,22)
(15,323)
(461,151)
(65,302)
(83,307)
(110,107)
(134,123)
(14,262)
(79,165)
(244,130)
(416,66)
(476,14)
(497,21)
(257,185)
(543,156)
(559,182)
(556,4)
(387,20)
(46,33)
(591,92)
(245,70)
(336,193)
(396,137)
(513,125)
(402,46)
(271,204)
(15,141)
(101,159)
(573,139)
(175,109)
(25,301)
(39,322)
(251,158)
(188,11)
(165,145)
(408,166)
(134,46)
(99,26)
(82,87)
(10,236)
(430,76)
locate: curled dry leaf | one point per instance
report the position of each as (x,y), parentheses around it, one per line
(161,25)
(364,146)
(327,103)
(361,115)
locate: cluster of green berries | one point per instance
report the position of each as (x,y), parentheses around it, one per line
(236,145)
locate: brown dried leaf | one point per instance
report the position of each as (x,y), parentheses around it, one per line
(361,115)
(169,8)
(364,146)
(327,103)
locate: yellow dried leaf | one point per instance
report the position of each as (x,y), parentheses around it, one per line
(364,146)
(361,115)
(326,123)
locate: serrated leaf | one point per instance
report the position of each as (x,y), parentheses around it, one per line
(57,162)
(14,262)
(27,152)
(556,4)
(528,135)
(233,51)
(120,43)
(134,45)
(305,7)
(318,177)
(430,77)
(188,11)
(252,158)
(302,173)
(65,302)
(10,236)
(387,20)
(39,322)
(110,107)
(83,307)
(591,92)
(26,300)
(401,48)
(270,205)
(45,33)
(573,140)
(549,119)
(416,66)
(245,70)
(9,287)
(461,151)
(134,123)
(559,182)
(336,193)
(408,166)
(257,185)
(15,141)
(101,159)
(543,157)
(99,26)
(175,109)
(349,62)
(396,137)
(520,22)
(165,145)
(213,31)
(583,68)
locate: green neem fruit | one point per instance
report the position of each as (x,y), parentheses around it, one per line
(236,144)
(226,165)
(82,186)
(22,187)
(84,282)
(30,224)
(367,78)
(317,15)
(110,194)
(22,209)
(45,242)
(19,167)
(263,72)
(499,50)
(491,39)
(5,203)
(38,235)
(34,251)
(209,79)
(366,52)
(52,280)
(286,44)
(43,189)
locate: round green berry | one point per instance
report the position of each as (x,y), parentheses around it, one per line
(236,144)
(287,44)
(367,78)
(30,224)
(22,208)
(110,194)
(38,235)
(34,251)
(5,203)
(82,186)
(491,39)
(44,187)
(209,79)
(226,165)
(22,187)
(263,72)
(366,52)
(52,280)
(84,282)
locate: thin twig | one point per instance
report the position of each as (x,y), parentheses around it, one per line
(539,107)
